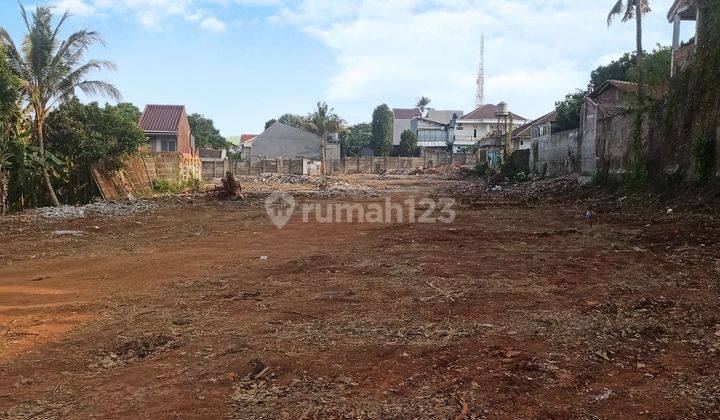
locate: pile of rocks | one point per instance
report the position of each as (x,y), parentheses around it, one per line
(101,209)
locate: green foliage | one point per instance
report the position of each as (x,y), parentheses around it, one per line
(615,70)
(408,143)
(704,158)
(52,69)
(655,68)
(638,174)
(205,133)
(693,107)
(9,90)
(164,186)
(568,110)
(423,102)
(293,120)
(355,138)
(382,130)
(482,169)
(270,122)
(83,134)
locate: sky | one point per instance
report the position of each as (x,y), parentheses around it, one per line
(243,62)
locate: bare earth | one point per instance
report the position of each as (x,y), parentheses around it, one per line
(511,311)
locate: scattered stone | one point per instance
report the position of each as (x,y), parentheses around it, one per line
(100,209)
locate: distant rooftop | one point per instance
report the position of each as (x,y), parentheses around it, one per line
(487,112)
(161,118)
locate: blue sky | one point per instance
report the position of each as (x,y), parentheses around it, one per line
(242,62)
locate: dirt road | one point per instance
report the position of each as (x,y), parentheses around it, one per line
(509,311)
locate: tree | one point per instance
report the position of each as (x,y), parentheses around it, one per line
(270,122)
(382,130)
(9,94)
(408,143)
(9,90)
(422,103)
(82,134)
(356,138)
(51,70)
(615,70)
(630,9)
(293,120)
(655,65)
(568,110)
(205,133)
(323,122)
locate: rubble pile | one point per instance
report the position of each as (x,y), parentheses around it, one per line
(455,171)
(101,209)
(535,192)
(285,179)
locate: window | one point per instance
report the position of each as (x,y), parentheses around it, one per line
(475,133)
(521,142)
(168,144)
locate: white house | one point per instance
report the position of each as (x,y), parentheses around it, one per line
(478,125)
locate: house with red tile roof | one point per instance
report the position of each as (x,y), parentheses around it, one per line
(167,129)
(479,124)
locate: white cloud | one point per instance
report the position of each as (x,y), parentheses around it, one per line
(536,50)
(149,13)
(212,24)
(76,7)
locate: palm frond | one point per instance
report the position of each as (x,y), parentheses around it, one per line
(616,10)
(99,88)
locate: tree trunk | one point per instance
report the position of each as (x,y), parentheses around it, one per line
(4,175)
(39,132)
(639,57)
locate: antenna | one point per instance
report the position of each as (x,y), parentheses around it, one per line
(480,95)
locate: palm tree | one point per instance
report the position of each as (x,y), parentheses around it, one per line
(51,70)
(323,122)
(630,9)
(422,103)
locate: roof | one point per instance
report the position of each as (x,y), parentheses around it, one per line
(487,112)
(549,117)
(522,131)
(247,137)
(287,141)
(655,92)
(686,8)
(406,113)
(443,116)
(161,118)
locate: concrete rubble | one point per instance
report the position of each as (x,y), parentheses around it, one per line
(99,209)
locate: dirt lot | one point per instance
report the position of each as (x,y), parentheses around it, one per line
(510,311)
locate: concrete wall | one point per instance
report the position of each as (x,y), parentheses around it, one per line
(350,165)
(557,153)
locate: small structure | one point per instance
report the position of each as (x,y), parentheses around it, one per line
(436,119)
(521,138)
(167,129)
(682,10)
(285,141)
(480,124)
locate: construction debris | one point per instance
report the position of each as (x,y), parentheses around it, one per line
(99,209)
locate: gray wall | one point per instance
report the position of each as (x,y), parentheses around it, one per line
(283,141)
(553,153)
